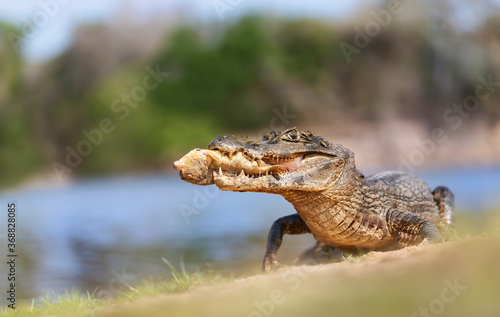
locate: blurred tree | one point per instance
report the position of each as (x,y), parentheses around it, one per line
(306,48)
(209,79)
(18,152)
(234,79)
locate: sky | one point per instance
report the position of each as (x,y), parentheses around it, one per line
(51,23)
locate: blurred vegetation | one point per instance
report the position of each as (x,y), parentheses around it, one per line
(228,79)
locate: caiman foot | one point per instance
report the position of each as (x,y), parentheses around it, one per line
(270,263)
(408,223)
(319,254)
(292,224)
(430,233)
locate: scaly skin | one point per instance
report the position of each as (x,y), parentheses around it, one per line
(334,201)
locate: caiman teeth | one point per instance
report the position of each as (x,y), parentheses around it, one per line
(240,164)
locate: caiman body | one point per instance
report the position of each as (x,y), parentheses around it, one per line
(334,201)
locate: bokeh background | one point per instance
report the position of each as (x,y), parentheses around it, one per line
(98,99)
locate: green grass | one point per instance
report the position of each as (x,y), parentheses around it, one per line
(181,281)
(76,303)
(52,303)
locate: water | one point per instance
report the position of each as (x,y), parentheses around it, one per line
(114,231)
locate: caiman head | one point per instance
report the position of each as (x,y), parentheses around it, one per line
(281,161)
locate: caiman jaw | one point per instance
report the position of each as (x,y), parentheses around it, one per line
(284,161)
(205,167)
(241,164)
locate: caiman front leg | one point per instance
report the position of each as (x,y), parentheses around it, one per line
(408,227)
(292,224)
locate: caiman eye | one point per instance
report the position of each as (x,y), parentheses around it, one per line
(291,136)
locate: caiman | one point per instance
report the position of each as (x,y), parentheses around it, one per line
(336,202)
